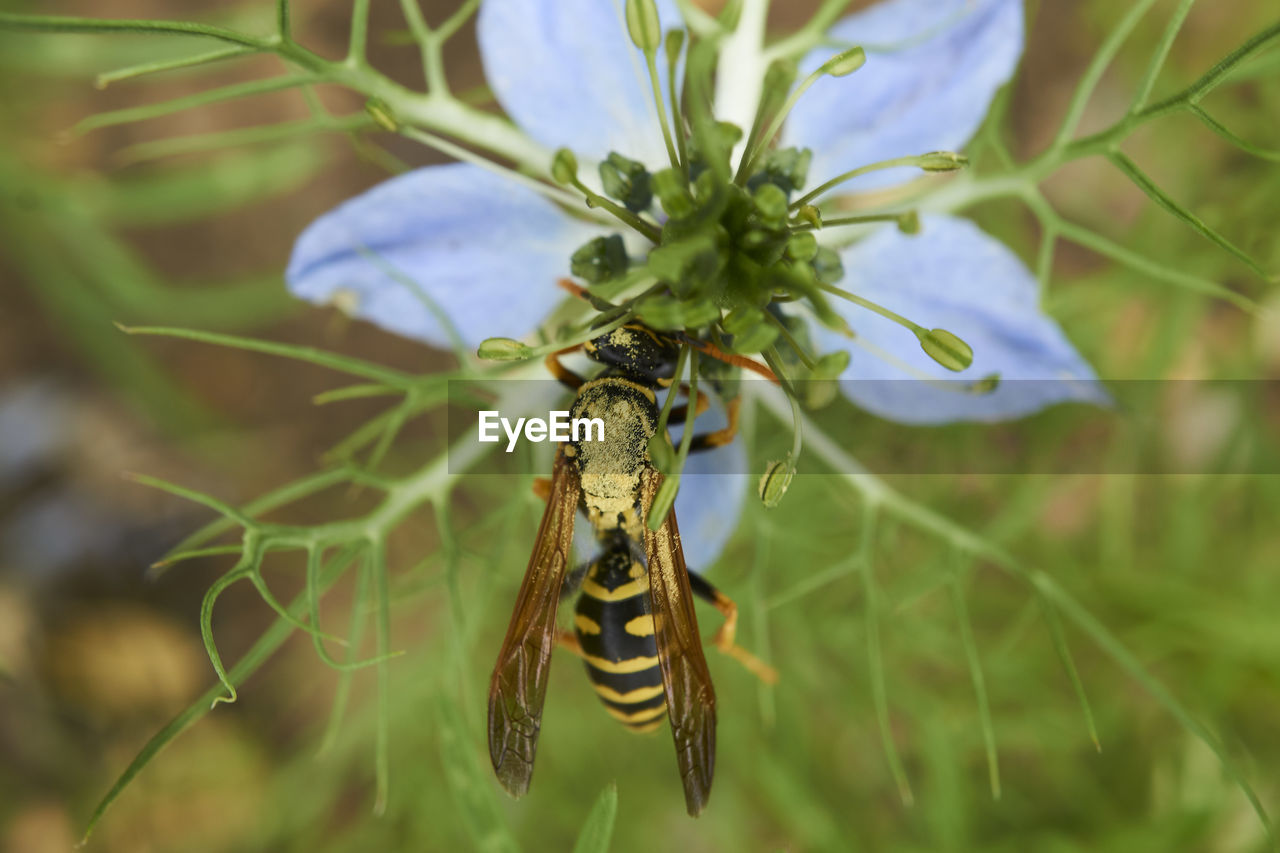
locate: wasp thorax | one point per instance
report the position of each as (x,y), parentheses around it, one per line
(611,469)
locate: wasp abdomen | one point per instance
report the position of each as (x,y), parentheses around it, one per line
(615,627)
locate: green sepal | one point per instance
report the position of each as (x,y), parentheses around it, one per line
(688,265)
(627,181)
(666,312)
(786,168)
(673,195)
(600,260)
(770,202)
(827,265)
(802,246)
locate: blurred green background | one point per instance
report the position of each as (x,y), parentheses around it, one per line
(95,655)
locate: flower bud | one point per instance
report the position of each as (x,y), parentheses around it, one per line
(824,380)
(643,25)
(844,64)
(909,222)
(503,349)
(775,481)
(674,43)
(986,385)
(771,203)
(564,167)
(673,195)
(802,246)
(810,214)
(381,115)
(942,161)
(946,348)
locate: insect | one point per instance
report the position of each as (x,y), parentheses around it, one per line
(635,622)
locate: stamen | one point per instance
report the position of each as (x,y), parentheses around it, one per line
(777,80)
(904,221)
(646,34)
(666,496)
(936,161)
(840,65)
(674,45)
(772,358)
(944,347)
(872,306)
(805,358)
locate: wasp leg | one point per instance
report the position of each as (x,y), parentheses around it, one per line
(569,642)
(566,376)
(681,412)
(724,639)
(721,437)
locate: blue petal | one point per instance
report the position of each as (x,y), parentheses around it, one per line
(712,488)
(567,72)
(480,248)
(955,277)
(928,91)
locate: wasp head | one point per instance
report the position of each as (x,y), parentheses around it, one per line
(637,352)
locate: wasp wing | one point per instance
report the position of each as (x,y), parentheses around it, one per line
(519,682)
(691,700)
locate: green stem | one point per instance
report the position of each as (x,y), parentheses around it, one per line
(1093,74)
(1162,53)
(234,52)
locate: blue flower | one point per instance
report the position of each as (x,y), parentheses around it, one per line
(487,251)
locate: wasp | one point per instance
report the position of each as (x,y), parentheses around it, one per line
(634,624)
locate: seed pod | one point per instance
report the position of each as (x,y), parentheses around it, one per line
(946,348)
(775,481)
(503,349)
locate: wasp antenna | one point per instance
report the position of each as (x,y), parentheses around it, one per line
(707,348)
(573,288)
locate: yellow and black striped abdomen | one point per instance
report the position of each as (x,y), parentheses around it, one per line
(615,628)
